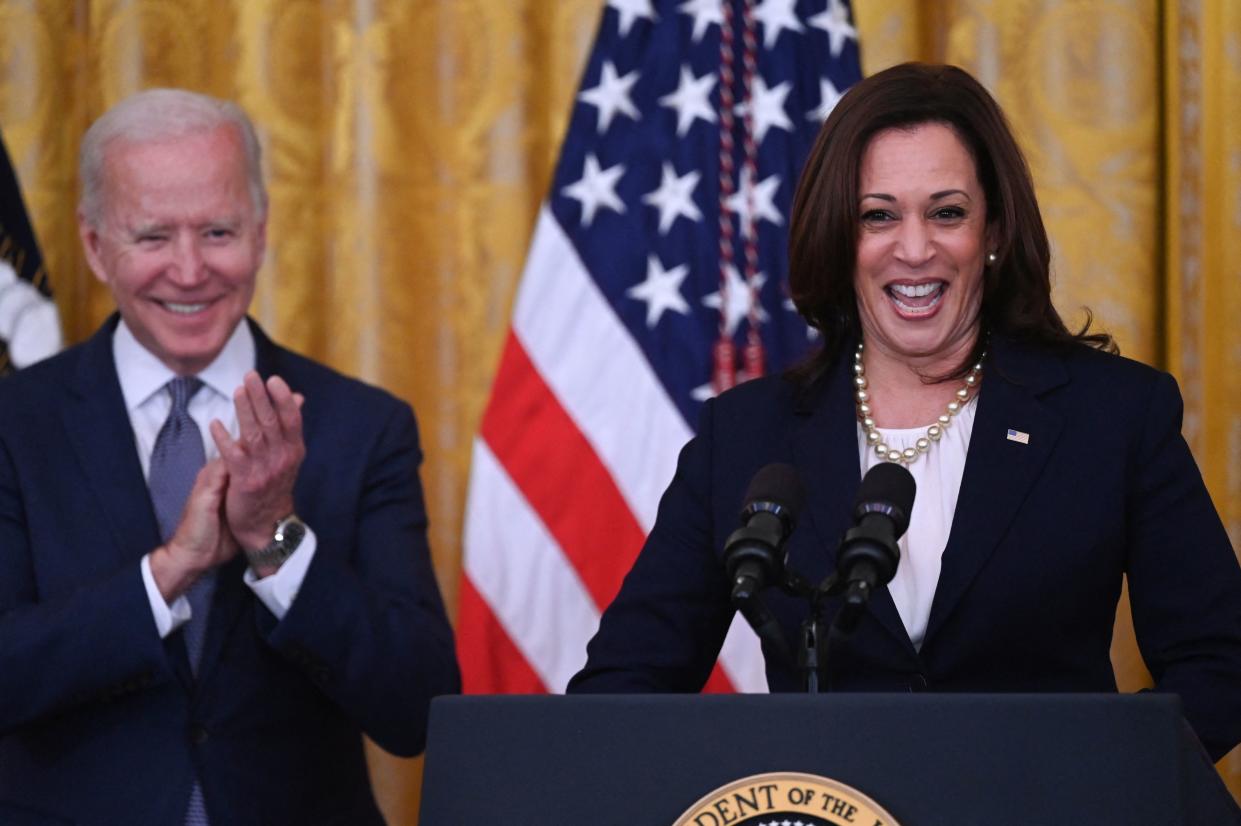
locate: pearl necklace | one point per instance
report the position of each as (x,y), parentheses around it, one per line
(933,433)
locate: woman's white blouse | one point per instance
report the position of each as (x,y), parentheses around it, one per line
(938,476)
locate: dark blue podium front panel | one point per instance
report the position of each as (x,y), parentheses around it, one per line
(929,760)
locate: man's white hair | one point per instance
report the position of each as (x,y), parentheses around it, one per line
(157,115)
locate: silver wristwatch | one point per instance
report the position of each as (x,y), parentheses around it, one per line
(285,539)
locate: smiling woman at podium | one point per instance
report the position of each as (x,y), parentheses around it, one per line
(1047,466)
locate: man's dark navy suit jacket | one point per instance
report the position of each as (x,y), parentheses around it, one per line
(100,719)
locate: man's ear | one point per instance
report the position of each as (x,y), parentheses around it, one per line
(89,234)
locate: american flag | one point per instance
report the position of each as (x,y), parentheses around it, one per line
(656,277)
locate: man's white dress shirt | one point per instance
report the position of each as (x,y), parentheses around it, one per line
(147,403)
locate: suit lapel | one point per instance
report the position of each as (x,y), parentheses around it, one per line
(266,353)
(999,471)
(825,451)
(100,434)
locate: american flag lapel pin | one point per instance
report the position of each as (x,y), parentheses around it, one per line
(1018,436)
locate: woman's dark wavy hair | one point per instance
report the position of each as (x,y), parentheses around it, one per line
(824,223)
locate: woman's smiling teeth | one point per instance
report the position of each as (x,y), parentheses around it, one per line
(916,298)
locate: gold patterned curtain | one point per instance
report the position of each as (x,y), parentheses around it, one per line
(409,143)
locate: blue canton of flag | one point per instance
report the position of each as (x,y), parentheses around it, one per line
(638,186)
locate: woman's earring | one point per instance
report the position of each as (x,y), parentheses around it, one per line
(992,258)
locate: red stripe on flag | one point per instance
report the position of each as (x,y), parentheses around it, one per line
(560,475)
(718,682)
(490,662)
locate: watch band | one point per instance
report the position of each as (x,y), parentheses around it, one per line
(286,537)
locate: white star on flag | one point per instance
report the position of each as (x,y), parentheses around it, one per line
(596,188)
(703,392)
(763,200)
(631,10)
(612,95)
(692,99)
(768,108)
(674,197)
(661,290)
(776,16)
(828,98)
(740,299)
(705,13)
(835,21)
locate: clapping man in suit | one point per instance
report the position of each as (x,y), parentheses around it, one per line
(214,573)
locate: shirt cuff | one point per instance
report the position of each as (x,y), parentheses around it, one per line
(279,590)
(168,618)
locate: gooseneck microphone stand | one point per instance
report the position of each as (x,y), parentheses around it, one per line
(816,635)
(754,558)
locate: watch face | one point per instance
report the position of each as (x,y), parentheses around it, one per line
(288,536)
(289,533)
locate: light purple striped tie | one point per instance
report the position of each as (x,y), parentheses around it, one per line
(175,461)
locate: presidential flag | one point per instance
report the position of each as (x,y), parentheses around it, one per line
(29,325)
(655,279)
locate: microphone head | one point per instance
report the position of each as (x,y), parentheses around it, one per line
(776,489)
(887,488)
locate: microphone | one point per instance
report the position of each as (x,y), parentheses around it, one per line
(752,554)
(868,553)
